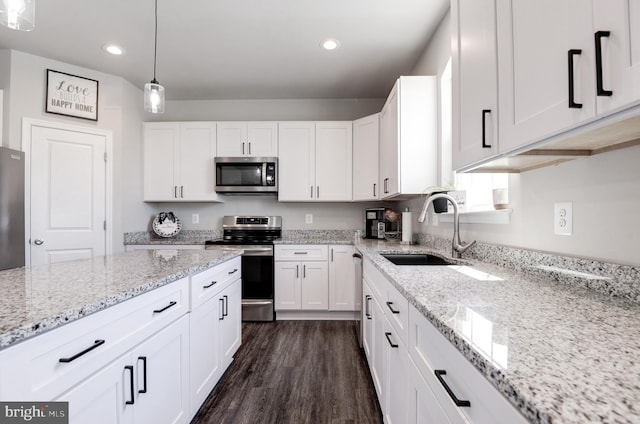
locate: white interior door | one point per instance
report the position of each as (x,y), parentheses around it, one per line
(68,194)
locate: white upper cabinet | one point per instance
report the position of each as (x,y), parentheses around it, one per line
(179,161)
(237,139)
(315,161)
(475,81)
(551,77)
(408,138)
(365,158)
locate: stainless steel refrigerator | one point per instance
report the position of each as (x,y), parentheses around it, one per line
(11,208)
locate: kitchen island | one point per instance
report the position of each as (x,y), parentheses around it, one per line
(41,298)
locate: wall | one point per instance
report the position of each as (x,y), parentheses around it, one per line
(603,189)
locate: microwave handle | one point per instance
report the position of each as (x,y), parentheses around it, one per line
(264,174)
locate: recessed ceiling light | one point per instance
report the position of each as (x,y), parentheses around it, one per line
(330,44)
(113,49)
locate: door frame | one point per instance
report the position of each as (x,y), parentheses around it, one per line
(27,125)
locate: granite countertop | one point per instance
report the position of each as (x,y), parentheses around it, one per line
(41,298)
(559,353)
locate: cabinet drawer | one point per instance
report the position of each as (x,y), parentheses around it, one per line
(33,370)
(207,284)
(301,252)
(394,304)
(431,351)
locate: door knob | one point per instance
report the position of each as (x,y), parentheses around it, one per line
(38,242)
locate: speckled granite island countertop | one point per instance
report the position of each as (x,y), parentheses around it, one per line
(37,299)
(560,354)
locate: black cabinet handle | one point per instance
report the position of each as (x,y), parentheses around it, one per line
(221,316)
(393,311)
(243,148)
(598,38)
(225,310)
(172,303)
(233,272)
(485,112)
(454,398)
(374,189)
(356,255)
(210,285)
(304,271)
(572,103)
(130,368)
(144,373)
(393,345)
(79,354)
(386,185)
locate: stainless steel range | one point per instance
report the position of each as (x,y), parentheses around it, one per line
(255,235)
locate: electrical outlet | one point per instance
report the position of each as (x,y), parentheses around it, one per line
(563,218)
(195,218)
(308,218)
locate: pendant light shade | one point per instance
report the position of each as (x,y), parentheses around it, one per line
(153,91)
(154,97)
(18,14)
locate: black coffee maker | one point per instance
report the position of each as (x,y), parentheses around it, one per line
(378,225)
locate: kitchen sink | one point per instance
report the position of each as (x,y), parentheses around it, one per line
(417,259)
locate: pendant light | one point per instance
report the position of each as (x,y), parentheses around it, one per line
(18,14)
(153,91)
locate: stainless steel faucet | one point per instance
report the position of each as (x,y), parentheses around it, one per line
(457,247)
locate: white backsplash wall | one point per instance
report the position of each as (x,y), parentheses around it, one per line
(326,216)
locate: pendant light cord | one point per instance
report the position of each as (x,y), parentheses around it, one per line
(155,45)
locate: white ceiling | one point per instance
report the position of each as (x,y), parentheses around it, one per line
(239,49)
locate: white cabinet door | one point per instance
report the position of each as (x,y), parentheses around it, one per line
(395,377)
(378,366)
(620,52)
(162,377)
(333,155)
(161,147)
(237,139)
(367,321)
(102,398)
(262,139)
(287,285)
(296,161)
(389,145)
(314,292)
(204,352)
(231,323)
(534,64)
(366,140)
(344,290)
(475,81)
(196,161)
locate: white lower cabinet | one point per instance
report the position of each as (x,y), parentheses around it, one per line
(416,372)
(215,327)
(344,292)
(301,276)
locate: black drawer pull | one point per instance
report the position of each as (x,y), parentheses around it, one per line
(144,373)
(130,368)
(210,285)
(393,311)
(172,303)
(300,253)
(454,398)
(599,84)
(234,271)
(393,345)
(87,350)
(572,102)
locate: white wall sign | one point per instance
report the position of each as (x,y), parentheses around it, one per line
(72,95)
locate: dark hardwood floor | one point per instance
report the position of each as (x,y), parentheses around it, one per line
(295,372)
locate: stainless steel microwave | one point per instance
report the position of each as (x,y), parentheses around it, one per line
(246,175)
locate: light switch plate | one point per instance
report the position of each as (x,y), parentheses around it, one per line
(563,218)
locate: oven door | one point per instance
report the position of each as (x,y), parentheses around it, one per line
(257,280)
(257,284)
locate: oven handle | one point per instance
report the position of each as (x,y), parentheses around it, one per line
(258,252)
